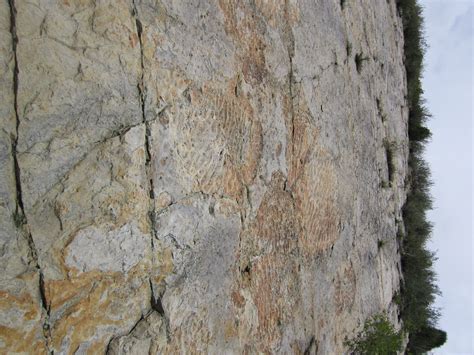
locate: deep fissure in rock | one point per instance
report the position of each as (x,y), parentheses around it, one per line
(20,216)
(155,302)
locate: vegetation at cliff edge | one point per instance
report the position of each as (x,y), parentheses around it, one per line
(419,287)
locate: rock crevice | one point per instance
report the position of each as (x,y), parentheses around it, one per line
(19,216)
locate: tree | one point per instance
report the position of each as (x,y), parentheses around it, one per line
(426,339)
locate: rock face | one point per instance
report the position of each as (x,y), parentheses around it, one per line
(198,176)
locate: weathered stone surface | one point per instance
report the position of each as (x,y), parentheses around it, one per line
(79,70)
(198,176)
(147,337)
(21,314)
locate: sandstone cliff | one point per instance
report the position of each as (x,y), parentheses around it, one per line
(198,176)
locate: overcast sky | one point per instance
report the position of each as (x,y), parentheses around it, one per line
(448,85)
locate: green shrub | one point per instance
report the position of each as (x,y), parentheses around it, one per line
(414,49)
(377,337)
(426,339)
(397,299)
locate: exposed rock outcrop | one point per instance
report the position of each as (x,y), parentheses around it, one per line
(198,176)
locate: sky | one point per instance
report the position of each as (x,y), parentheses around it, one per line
(448,86)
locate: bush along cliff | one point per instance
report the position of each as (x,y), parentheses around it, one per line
(377,337)
(419,287)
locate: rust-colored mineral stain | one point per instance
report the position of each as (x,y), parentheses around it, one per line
(230,330)
(86,301)
(312,179)
(238,299)
(21,341)
(345,288)
(133,39)
(24,302)
(245,30)
(316,203)
(87,312)
(237,149)
(267,301)
(274,274)
(26,338)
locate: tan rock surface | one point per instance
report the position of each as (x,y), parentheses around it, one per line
(198,176)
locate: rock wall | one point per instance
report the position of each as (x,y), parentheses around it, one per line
(198,176)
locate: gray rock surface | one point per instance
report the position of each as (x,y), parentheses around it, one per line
(199,176)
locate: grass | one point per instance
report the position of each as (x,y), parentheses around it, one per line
(419,288)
